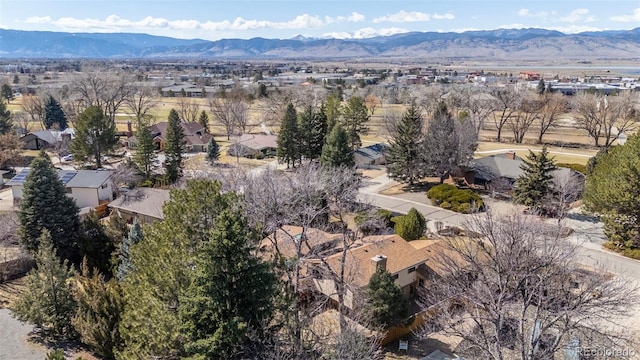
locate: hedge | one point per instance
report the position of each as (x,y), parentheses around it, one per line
(451,198)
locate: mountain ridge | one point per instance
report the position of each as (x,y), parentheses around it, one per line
(511,44)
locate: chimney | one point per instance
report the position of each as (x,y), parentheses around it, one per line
(379,262)
(511,155)
(129,129)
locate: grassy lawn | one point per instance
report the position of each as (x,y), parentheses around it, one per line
(572,156)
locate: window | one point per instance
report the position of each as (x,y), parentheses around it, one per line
(104,186)
(421,282)
(411,269)
(67,190)
(395,277)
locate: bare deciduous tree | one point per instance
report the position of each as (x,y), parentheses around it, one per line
(390,121)
(34,106)
(554,106)
(109,92)
(141,101)
(528,112)
(606,117)
(231,112)
(515,291)
(506,103)
(188,109)
(478,104)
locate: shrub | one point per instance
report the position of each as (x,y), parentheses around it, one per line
(450,197)
(410,226)
(55,355)
(373,223)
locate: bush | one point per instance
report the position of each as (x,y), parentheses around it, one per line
(450,197)
(374,223)
(410,226)
(55,355)
(633,253)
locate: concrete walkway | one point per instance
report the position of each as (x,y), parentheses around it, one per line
(14,344)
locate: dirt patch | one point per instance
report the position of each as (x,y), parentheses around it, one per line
(419,187)
(371,173)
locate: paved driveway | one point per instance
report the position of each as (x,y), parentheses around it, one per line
(6,200)
(13,340)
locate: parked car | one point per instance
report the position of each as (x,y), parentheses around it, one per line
(67,158)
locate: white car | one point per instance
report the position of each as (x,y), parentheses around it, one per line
(67,158)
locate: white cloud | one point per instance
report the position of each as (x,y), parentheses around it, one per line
(578,15)
(403,16)
(447,16)
(627,18)
(116,23)
(364,33)
(355,17)
(38,20)
(528,13)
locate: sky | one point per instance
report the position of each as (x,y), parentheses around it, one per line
(218,19)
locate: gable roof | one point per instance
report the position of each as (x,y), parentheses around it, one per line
(70,178)
(258,141)
(50,136)
(145,201)
(495,166)
(194,133)
(400,255)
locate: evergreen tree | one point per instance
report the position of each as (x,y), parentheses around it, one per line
(45,205)
(542,87)
(47,300)
(94,245)
(7,93)
(332,110)
(163,265)
(386,300)
(612,191)
(313,132)
(145,155)
(441,144)
(54,116)
(125,265)
(6,123)
(355,117)
(337,152)
(404,158)
(410,226)
(204,121)
(231,295)
(536,183)
(100,307)
(95,135)
(288,149)
(174,147)
(213,151)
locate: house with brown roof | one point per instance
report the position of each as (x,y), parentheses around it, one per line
(254,145)
(389,252)
(144,204)
(195,135)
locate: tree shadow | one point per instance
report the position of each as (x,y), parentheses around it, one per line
(420,187)
(69,347)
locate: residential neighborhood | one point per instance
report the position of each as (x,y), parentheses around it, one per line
(275,206)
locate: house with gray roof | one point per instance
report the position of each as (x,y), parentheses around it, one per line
(370,155)
(144,204)
(43,139)
(89,188)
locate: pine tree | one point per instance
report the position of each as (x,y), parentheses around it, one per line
(313,132)
(213,151)
(288,149)
(337,152)
(6,124)
(332,110)
(163,264)
(386,300)
(145,155)
(410,226)
(441,144)
(47,300)
(204,120)
(231,295)
(45,205)
(542,87)
(94,245)
(125,265)
(355,117)
(404,158)
(95,135)
(536,183)
(174,147)
(100,307)
(7,93)
(54,116)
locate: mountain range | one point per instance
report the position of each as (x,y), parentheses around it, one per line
(501,44)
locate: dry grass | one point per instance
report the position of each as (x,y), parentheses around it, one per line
(10,291)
